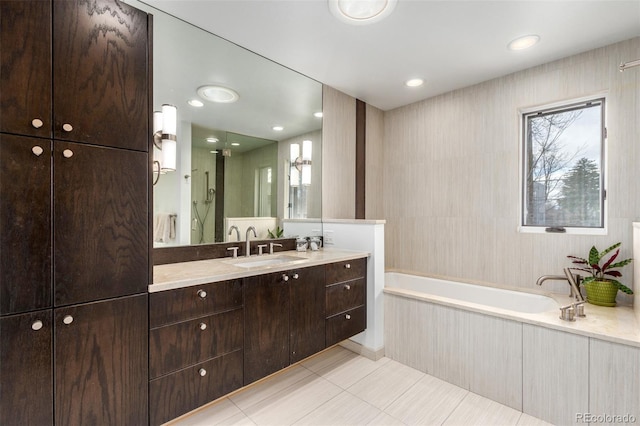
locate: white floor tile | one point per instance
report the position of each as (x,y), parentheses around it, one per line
(218,413)
(293,403)
(332,356)
(527,420)
(386,384)
(429,402)
(263,390)
(350,370)
(477,410)
(345,409)
(383,419)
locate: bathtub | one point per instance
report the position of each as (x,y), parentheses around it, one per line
(511,347)
(493,297)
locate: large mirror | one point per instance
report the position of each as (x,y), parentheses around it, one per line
(250,161)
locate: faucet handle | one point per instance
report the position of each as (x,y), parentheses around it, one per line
(272,245)
(235,251)
(260,247)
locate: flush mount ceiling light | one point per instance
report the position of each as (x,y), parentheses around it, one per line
(218,94)
(414,82)
(278,128)
(361,12)
(212,140)
(317,114)
(524,42)
(195,103)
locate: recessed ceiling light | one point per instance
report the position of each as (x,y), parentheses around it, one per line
(235,144)
(213,152)
(218,94)
(212,140)
(361,12)
(195,103)
(318,114)
(523,42)
(278,128)
(414,82)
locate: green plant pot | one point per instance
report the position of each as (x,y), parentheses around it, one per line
(601,293)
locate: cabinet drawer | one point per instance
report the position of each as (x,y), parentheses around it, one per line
(345,271)
(179,345)
(345,295)
(178,393)
(168,307)
(342,326)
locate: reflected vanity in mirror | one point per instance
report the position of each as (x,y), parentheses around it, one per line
(248,138)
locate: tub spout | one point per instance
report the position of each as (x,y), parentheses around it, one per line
(573,280)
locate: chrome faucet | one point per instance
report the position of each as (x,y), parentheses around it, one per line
(248,250)
(237,232)
(573,280)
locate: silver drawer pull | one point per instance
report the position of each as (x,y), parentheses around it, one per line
(37,123)
(68,319)
(67,127)
(285,277)
(202,294)
(295,276)
(347,287)
(203,326)
(348,266)
(37,150)
(67,153)
(37,325)
(347,316)
(202,372)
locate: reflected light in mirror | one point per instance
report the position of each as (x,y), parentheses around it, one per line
(306,162)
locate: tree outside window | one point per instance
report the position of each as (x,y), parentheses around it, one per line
(563,152)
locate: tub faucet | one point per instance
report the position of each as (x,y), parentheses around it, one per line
(248,250)
(237,232)
(573,280)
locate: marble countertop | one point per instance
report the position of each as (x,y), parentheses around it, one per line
(185,274)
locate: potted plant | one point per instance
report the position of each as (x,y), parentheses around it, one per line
(601,286)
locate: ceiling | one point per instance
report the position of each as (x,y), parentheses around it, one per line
(450,44)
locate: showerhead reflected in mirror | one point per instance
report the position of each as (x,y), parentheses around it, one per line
(238,115)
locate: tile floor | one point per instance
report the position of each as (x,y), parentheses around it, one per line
(339,387)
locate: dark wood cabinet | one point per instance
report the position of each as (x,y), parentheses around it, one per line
(307,314)
(266,318)
(100,73)
(25,73)
(25,224)
(345,300)
(26,376)
(97,53)
(101,353)
(100,215)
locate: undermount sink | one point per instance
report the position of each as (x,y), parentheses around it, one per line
(269,260)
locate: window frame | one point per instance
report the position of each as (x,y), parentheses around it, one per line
(563,106)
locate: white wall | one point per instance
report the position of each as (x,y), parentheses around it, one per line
(451,171)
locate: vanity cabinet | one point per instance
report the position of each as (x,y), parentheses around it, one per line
(97,54)
(285,319)
(345,300)
(195,347)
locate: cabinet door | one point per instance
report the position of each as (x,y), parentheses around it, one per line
(101,360)
(25,77)
(266,333)
(307,315)
(100,221)
(26,392)
(25,221)
(100,73)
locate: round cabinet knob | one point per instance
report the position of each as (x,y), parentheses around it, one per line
(68,319)
(296,276)
(347,316)
(37,325)
(285,277)
(37,123)
(348,266)
(202,294)
(67,153)
(67,127)
(347,287)
(37,150)
(203,326)
(202,372)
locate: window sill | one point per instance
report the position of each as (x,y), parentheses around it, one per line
(569,231)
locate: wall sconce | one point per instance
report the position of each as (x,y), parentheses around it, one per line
(165,125)
(301,165)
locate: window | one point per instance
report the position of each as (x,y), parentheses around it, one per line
(563,175)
